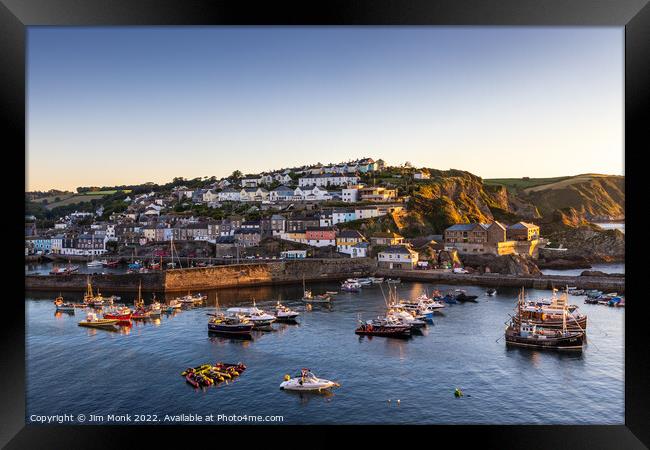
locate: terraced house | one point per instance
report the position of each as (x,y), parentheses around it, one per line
(347,239)
(495,238)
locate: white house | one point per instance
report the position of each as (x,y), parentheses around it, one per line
(350,194)
(221,184)
(421,175)
(282,178)
(250,182)
(229,195)
(368,212)
(328,179)
(281,193)
(397,257)
(210,196)
(57,243)
(253,194)
(359,250)
(312,193)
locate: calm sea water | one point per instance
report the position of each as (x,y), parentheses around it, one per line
(604,267)
(75,370)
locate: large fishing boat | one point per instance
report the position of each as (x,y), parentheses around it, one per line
(120,313)
(551,314)
(140,312)
(67,270)
(232,324)
(524,333)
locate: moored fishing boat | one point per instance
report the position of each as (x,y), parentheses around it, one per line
(376,280)
(309,297)
(235,324)
(63,306)
(67,270)
(388,326)
(407,318)
(155,309)
(393,281)
(192,299)
(285,314)
(461,296)
(349,286)
(552,314)
(525,333)
(140,312)
(121,313)
(93,322)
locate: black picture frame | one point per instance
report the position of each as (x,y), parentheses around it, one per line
(634,15)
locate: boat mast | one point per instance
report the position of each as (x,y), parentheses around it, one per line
(519,302)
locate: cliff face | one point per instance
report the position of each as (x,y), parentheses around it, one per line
(591,197)
(460,197)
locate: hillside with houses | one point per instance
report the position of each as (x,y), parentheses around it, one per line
(404,217)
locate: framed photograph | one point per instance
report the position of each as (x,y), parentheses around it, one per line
(374,218)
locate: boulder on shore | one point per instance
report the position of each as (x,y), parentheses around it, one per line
(504,264)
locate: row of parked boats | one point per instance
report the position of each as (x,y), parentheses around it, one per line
(106,313)
(596,297)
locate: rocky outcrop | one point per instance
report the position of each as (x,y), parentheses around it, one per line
(598,273)
(505,264)
(585,245)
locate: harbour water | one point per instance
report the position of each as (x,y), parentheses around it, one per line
(603,267)
(75,370)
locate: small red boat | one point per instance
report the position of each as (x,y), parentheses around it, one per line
(122,317)
(190,378)
(111,263)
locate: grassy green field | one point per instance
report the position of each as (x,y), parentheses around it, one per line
(521,183)
(77,198)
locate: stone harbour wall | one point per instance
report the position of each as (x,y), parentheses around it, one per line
(260,274)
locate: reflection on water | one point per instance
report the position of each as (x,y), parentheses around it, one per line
(463,349)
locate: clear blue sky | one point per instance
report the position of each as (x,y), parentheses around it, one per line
(123,105)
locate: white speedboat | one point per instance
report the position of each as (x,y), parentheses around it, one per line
(306,381)
(255,315)
(94,263)
(405,317)
(283,313)
(350,286)
(364,281)
(376,280)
